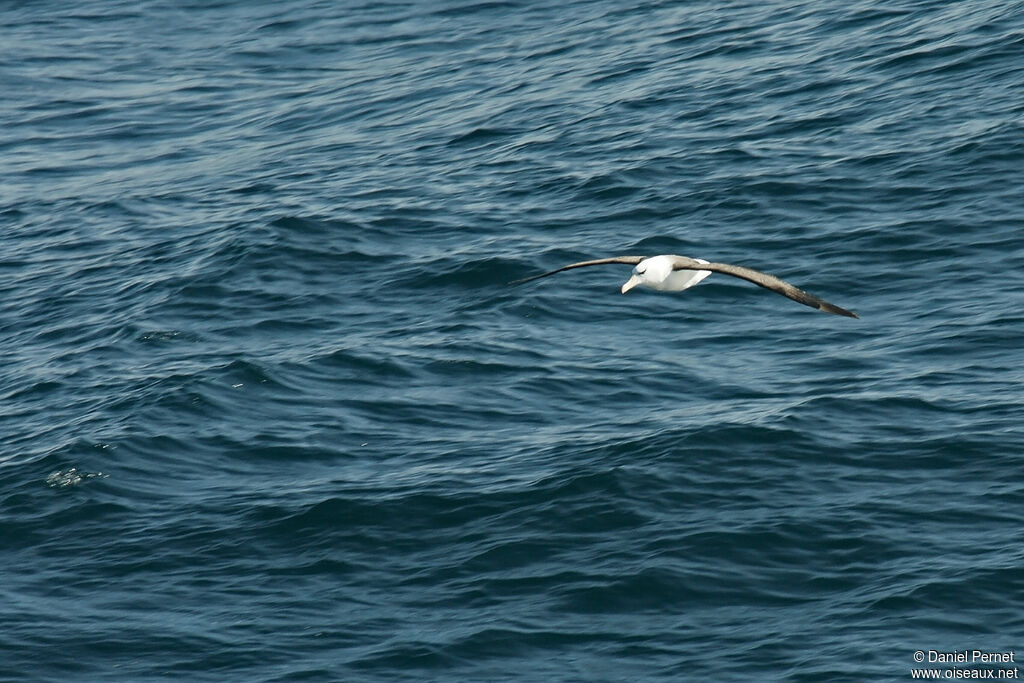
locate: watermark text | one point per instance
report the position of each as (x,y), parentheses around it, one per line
(965,665)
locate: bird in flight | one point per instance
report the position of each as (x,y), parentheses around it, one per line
(670,273)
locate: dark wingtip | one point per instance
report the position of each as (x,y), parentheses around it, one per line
(832,308)
(513,283)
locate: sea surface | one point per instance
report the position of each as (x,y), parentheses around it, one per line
(271,411)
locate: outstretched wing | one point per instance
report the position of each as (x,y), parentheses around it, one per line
(765,280)
(628,260)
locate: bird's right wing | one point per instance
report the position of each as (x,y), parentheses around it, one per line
(628,260)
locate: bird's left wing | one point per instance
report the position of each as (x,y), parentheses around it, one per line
(765,280)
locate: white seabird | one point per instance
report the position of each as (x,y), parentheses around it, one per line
(671,273)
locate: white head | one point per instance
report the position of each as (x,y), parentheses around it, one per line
(657,273)
(650,272)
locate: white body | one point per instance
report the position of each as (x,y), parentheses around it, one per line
(656,273)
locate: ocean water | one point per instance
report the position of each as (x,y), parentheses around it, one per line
(271,410)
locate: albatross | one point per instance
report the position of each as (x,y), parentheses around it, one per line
(671,273)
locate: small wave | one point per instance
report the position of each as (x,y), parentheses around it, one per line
(62,479)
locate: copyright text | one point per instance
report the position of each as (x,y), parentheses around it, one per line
(962,658)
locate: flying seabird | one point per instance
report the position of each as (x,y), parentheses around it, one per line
(670,273)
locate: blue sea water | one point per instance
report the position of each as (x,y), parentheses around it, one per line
(271,410)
